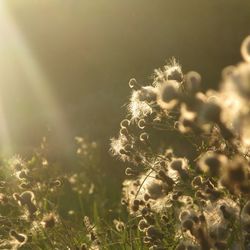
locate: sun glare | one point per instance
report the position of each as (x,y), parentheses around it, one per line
(13,43)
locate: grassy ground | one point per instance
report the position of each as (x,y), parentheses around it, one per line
(61,197)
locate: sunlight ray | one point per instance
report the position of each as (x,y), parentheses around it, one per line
(37,80)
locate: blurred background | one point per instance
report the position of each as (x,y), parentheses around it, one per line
(65,64)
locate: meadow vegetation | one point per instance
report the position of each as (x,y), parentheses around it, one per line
(187,186)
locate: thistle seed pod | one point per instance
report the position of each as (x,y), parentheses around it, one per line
(125,123)
(130,172)
(245,49)
(141,123)
(22,238)
(133,84)
(144,137)
(197,181)
(119,225)
(142,225)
